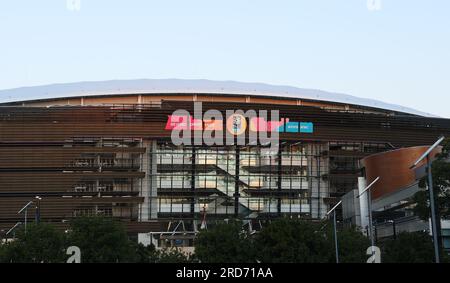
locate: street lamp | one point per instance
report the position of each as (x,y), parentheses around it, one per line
(335,229)
(369,208)
(13,229)
(25,209)
(430,189)
(38,209)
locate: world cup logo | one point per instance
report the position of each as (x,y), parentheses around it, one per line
(236,124)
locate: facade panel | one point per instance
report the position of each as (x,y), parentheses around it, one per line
(119,160)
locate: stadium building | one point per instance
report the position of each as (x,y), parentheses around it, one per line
(107,148)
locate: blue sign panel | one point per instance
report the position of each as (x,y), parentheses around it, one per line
(297,127)
(291,127)
(306,127)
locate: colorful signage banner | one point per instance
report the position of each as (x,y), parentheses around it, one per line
(236,124)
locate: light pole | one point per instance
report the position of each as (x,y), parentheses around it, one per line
(335,229)
(369,208)
(430,189)
(13,229)
(25,209)
(38,209)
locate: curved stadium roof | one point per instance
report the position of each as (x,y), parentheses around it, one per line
(176,86)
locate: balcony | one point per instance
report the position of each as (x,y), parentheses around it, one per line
(117,163)
(82,188)
(102,187)
(105,188)
(110,163)
(286,161)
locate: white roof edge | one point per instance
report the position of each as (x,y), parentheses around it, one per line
(166,86)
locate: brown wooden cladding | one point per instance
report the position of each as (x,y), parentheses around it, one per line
(57,207)
(41,157)
(34,152)
(61,123)
(61,209)
(393,168)
(41,182)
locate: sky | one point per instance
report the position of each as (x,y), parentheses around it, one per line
(397,51)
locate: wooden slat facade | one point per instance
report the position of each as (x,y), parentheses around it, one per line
(39,144)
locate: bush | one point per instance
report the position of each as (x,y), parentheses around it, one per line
(408,248)
(41,243)
(225,243)
(101,240)
(293,241)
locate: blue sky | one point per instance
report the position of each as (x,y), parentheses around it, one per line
(399,54)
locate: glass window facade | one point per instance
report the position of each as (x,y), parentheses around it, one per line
(248,182)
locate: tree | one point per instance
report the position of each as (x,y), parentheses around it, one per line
(144,254)
(101,240)
(414,247)
(148,254)
(172,256)
(441,184)
(280,241)
(293,241)
(352,245)
(224,243)
(41,243)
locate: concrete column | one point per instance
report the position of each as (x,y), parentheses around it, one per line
(362,184)
(318,166)
(149,209)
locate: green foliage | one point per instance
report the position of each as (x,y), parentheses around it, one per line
(281,241)
(292,241)
(441,183)
(3,258)
(422,209)
(284,240)
(101,240)
(172,256)
(105,240)
(408,248)
(149,254)
(41,243)
(225,243)
(143,254)
(352,246)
